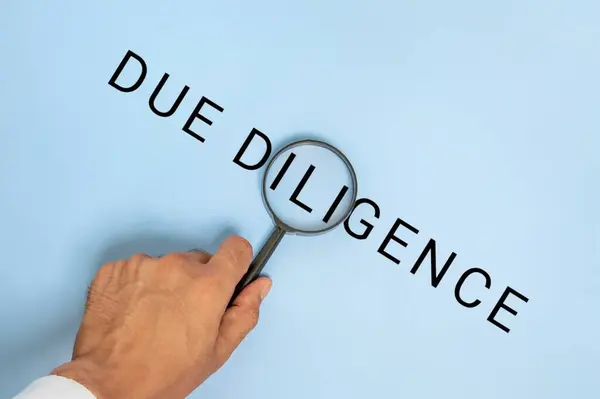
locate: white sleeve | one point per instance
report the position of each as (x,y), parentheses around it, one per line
(54,387)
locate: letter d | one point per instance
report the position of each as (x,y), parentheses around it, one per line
(238,157)
(113,80)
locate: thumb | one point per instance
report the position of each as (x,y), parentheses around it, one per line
(241,317)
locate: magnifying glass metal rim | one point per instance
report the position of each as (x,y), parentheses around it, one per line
(306,232)
(281,228)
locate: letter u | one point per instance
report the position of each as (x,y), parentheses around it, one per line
(175,105)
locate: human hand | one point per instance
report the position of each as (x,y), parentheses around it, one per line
(158,327)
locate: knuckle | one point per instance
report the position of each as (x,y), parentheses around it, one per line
(104,273)
(177,258)
(138,257)
(105,269)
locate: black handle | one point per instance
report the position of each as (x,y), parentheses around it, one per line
(260,260)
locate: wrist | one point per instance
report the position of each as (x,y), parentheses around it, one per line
(89,376)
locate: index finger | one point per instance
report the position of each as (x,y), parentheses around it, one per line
(231,260)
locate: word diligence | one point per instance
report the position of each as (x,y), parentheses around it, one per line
(357,229)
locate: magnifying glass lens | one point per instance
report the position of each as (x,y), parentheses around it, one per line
(309,188)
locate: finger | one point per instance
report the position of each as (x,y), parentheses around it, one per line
(231,261)
(241,317)
(137,265)
(107,275)
(197,260)
(178,267)
(204,258)
(190,258)
(200,255)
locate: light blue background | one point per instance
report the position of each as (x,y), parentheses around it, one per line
(477,122)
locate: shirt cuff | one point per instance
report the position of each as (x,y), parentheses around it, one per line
(55,387)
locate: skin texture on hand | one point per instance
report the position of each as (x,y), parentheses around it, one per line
(157,328)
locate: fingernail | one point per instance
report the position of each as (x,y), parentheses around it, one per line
(265,291)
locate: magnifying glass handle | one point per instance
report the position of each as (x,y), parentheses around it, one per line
(260,260)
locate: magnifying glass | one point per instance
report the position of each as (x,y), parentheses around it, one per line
(309,187)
